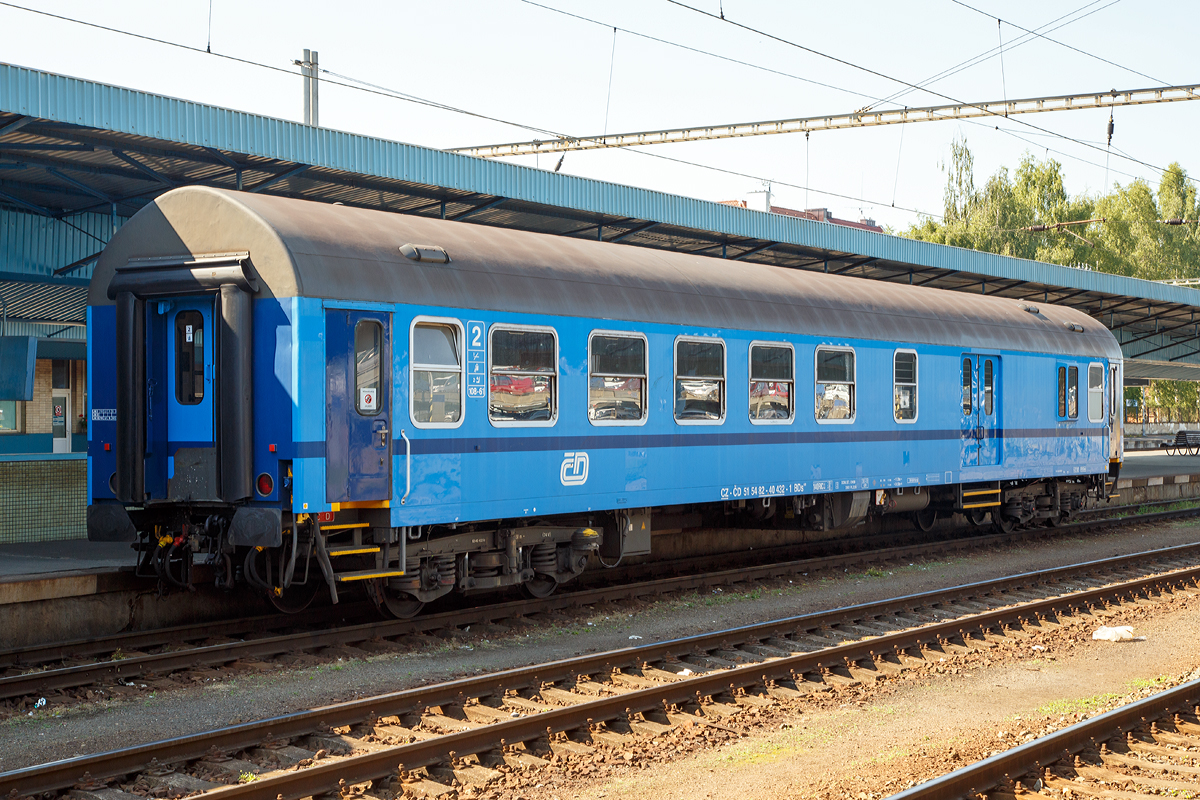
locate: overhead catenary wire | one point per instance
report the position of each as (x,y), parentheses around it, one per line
(878,74)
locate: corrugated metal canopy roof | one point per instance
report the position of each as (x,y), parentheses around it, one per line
(69,146)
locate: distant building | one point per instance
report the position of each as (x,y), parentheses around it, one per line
(818,214)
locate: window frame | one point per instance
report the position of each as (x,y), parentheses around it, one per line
(724,378)
(382,386)
(176,324)
(916,384)
(1099,391)
(514,423)
(750,379)
(1060,381)
(461,344)
(619,423)
(18,419)
(853,384)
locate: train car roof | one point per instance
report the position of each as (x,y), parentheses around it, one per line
(304,248)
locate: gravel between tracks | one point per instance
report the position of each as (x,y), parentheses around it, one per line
(167,708)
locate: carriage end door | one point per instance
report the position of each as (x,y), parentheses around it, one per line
(358,380)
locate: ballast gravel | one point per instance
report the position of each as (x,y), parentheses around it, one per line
(158,708)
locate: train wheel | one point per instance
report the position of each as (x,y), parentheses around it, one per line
(541,587)
(1003,524)
(294,599)
(401,605)
(925,519)
(977,517)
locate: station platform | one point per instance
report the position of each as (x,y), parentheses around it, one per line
(37,558)
(1157,464)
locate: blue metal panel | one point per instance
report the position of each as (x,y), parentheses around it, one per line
(308,404)
(102,397)
(272,389)
(357,430)
(33,245)
(80,102)
(18,355)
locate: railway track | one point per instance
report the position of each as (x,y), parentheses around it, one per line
(1143,749)
(32,672)
(600,708)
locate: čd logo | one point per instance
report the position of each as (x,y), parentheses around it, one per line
(574,469)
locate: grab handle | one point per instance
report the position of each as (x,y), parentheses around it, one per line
(407,467)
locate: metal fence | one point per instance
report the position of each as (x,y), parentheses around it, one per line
(42,501)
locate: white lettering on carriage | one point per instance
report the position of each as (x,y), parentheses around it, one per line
(574,470)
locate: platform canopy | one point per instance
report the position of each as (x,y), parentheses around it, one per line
(77,158)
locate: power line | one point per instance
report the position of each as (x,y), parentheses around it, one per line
(1064,44)
(878,74)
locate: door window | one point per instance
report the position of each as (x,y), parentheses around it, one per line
(968,386)
(1073,392)
(988,386)
(189,357)
(368,341)
(436,373)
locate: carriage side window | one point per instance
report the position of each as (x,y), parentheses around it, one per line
(1113,403)
(699,381)
(189,357)
(904,380)
(968,386)
(772,376)
(437,373)
(616,378)
(835,385)
(1095,400)
(523,376)
(368,343)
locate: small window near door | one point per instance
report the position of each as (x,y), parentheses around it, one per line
(1073,392)
(989,380)
(189,357)
(1095,402)
(904,385)
(968,386)
(437,373)
(368,345)
(1062,392)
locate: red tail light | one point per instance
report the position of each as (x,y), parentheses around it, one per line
(265,484)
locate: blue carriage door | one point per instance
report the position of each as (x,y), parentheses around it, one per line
(991,436)
(358,381)
(190,372)
(981,434)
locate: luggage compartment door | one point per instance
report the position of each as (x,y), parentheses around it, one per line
(358,386)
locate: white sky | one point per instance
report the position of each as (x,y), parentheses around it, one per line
(515,61)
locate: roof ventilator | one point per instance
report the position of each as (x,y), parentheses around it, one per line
(1029,308)
(1074,326)
(428,253)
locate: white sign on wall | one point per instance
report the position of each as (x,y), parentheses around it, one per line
(368,399)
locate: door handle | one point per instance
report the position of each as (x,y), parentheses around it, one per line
(383,432)
(979,432)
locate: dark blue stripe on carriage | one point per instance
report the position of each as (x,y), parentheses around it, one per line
(513,444)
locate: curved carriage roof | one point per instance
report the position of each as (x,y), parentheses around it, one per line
(302,248)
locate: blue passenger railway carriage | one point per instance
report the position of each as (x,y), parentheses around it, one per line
(312,398)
